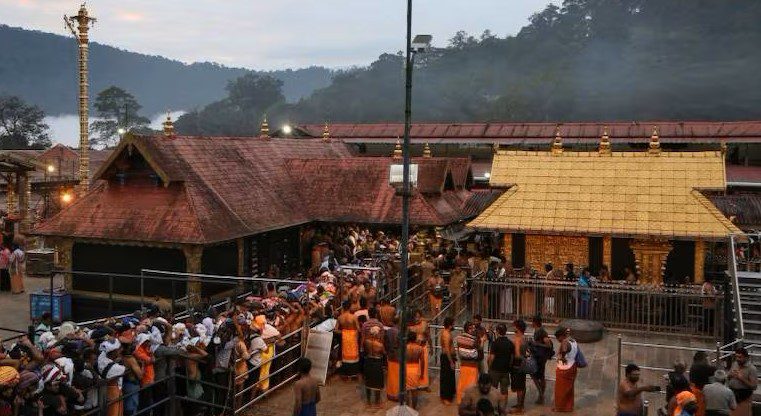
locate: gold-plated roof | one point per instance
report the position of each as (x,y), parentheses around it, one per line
(621,193)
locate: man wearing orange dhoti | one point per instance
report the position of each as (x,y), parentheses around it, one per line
(348,325)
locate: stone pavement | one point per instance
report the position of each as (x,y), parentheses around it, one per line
(595,385)
(14,309)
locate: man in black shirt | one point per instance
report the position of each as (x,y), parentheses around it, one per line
(500,361)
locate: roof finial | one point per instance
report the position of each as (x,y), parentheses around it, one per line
(557,144)
(723,147)
(398,149)
(326,133)
(265,128)
(605,142)
(655,145)
(427,151)
(168,125)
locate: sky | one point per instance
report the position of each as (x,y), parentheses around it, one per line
(272,34)
(266,34)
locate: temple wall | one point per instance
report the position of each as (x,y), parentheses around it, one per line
(556,249)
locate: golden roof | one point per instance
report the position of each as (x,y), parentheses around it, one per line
(621,193)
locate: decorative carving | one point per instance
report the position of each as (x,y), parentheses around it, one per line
(655,145)
(556,249)
(605,148)
(650,256)
(557,144)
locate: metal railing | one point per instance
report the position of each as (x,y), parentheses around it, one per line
(675,310)
(736,289)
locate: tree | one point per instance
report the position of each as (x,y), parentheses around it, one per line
(21,125)
(254,92)
(116,109)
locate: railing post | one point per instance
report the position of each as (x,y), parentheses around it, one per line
(172,389)
(102,398)
(110,295)
(142,291)
(645,408)
(718,353)
(618,364)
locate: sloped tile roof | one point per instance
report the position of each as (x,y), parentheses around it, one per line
(743,174)
(357,190)
(745,208)
(516,132)
(220,188)
(626,193)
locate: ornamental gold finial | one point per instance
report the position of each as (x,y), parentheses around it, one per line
(723,147)
(557,144)
(427,151)
(655,145)
(326,133)
(168,126)
(398,149)
(264,131)
(605,148)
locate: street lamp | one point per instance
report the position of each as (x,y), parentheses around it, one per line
(287,129)
(420,44)
(66,197)
(51,168)
(121,131)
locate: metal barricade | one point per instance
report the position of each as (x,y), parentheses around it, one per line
(678,310)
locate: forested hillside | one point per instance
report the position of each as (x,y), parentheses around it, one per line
(41,68)
(584,60)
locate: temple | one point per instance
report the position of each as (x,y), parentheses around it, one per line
(646,211)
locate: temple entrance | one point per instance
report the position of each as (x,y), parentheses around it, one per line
(125,260)
(622,258)
(595,255)
(518,254)
(680,263)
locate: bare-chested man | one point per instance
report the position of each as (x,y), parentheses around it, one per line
(435,292)
(348,325)
(448,386)
(373,368)
(306,391)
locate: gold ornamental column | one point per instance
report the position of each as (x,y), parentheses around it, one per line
(700,255)
(11,193)
(193,255)
(507,247)
(607,252)
(23,201)
(650,256)
(63,258)
(79,26)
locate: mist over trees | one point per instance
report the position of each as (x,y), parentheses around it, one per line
(22,125)
(42,69)
(584,60)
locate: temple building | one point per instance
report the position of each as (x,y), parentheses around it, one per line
(235,206)
(638,210)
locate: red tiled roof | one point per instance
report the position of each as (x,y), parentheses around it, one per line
(357,190)
(517,133)
(232,187)
(738,173)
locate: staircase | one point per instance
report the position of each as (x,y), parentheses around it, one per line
(747,295)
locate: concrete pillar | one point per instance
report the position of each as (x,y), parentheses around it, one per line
(193,255)
(650,256)
(507,247)
(700,256)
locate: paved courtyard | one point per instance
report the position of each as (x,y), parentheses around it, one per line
(14,309)
(595,386)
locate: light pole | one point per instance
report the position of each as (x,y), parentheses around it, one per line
(421,43)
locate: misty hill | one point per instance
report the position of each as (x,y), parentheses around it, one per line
(584,60)
(42,69)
